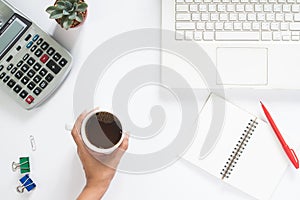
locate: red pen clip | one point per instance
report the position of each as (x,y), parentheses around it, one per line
(292,156)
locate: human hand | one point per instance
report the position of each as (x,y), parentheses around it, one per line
(98,174)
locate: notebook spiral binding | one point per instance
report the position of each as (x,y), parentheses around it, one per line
(238,149)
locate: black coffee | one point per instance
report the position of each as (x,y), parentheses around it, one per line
(103,130)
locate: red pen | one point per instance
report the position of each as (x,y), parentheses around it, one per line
(289,152)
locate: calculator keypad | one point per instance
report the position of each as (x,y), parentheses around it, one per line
(29,76)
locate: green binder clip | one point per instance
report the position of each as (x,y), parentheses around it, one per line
(24,165)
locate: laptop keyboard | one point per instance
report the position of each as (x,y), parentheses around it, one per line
(238,20)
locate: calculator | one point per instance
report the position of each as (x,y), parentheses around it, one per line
(32,64)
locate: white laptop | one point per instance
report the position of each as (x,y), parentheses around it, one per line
(252,43)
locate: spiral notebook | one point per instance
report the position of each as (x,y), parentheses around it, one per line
(247,155)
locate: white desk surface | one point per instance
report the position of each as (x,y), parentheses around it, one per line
(56,167)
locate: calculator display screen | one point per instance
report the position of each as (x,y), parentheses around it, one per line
(11,32)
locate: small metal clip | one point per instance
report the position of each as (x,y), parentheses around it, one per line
(32,143)
(26,183)
(23,165)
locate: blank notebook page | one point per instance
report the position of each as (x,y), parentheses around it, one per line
(261,163)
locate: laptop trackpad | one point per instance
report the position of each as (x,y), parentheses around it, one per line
(242,66)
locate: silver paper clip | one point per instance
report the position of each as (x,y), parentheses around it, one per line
(32,143)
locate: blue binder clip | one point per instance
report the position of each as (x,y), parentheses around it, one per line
(27,184)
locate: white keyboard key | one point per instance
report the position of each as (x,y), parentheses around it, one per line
(225,1)
(235,1)
(212,8)
(244,1)
(189,1)
(288,17)
(198,35)
(202,8)
(263,1)
(265,26)
(179,35)
(237,36)
(201,26)
(277,8)
(268,8)
(295,33)
(281,1)
(179,1)
(219,26)
(193,8)
(255,26)
(253,1)
(237,25)
(295,37)
(247,26)
(295,26)
(251,17)
(242,16)
(214,17)
(297,17)
(221,8)
(208,36)
(183,16)
(216,1)
(209,26)
(223,17)
(276,36)
(232,16)
(207,1)
(291,1)
(261,17)
(286,8)
(182,8)
(258,8)
(279,17)
(286,37)
(198,1)
(274,26)
(230,8)
(189,35)
(295,8)
(185,26)
(240,8)
(284,26)
(249,8)
(195,17)
(266,36)
(228,26)
(204,17)
(270,17)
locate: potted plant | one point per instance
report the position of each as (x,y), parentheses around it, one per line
(68,13)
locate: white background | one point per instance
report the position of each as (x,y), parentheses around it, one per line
(55,166)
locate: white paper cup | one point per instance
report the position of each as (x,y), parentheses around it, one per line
(94,150)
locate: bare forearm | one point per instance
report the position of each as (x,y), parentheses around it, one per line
(92,193)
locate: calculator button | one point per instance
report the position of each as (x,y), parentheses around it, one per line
(19,48)
(9,67)
(1,67)
(37,91)
(45,45)
(19,74)
(13,70)
(50,51)
(30,61)
(17,89)
(33,48)
(37,79)
(63,62)
(37,67)
(44,58)
(25,56)
(29,44)
(25,68)
(11,83)
(25,80)
(6,79)
(9,58)
(36,37)
(31,73)
(43,84)
(28,37)
(23,94)
(2,75)
(49,78)
(56,57)
(38,52)
(39,41)
(31,85)
(20,63)
(29,99)
(43,72)
(53,67)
